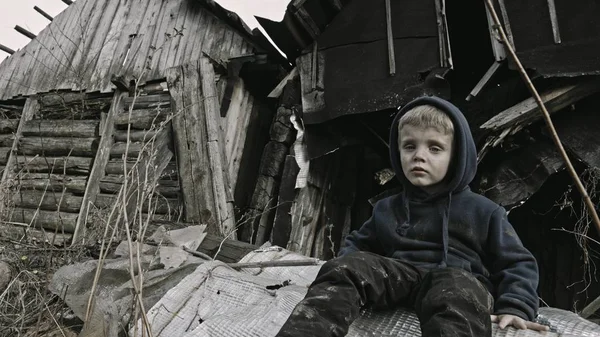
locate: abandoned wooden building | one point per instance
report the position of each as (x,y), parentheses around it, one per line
(180,105)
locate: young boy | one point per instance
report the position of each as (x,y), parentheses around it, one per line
(437,247)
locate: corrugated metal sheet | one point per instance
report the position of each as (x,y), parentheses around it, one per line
(91,41)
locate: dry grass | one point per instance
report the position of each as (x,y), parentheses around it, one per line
(27,308)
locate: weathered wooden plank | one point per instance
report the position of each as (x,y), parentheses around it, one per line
(189,134)
(72,184)
(151,22)
(161,38)
(230,251)
(58,146)
(133,150)
(142,118)
(188,27)
(48,200)
(115,35)
(263,211)
(207,26)
(98,36)
(61,128)
(8,125)
(216,151)
(528,111)
(178,37)
(278,90)
(87,24)
(193,48)
(313,99)
(112,185)
(305,214)
(235,128)
(100,163)
(59,221)
(56,165)
(282,224)
(282,129)
(160,205)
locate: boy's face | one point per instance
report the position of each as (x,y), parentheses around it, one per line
(425,155)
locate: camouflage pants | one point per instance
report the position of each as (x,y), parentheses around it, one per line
(448,301)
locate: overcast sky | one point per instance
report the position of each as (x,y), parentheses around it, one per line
(21,12)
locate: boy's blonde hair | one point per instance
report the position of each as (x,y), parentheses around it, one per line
(427,116)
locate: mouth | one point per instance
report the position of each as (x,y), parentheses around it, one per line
(418,170)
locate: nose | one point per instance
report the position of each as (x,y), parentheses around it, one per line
(419,155)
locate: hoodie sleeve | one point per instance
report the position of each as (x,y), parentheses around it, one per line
(514,270)
(364,239)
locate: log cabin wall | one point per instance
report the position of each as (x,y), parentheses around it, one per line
(10,114)
(93,40)
(53,154)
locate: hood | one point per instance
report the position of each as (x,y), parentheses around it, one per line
(463,165)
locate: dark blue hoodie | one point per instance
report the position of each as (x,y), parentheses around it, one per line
(454,227)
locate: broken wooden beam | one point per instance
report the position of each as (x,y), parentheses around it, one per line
(506,22)
(6,49)
(25,32)
(484,80)
(54,183)
(44,14)
(278,90)
(141,118)
(528,111)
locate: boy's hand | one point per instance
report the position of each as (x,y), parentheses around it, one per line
(516,321)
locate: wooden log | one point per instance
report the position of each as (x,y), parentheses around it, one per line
(272,159)
(142,118)
(230,250)
(263,205)
(112,185)
(6,140)
(282,130)
(216,152)
(61,128)
(49,200)
(60,146)
(25,32)
(133,150)
(160,205)
(134,135)
(56,165)
(6,49)
(189,133)
(4,154)
(59,221)
(8,125)
(282,224)
(72,184)
(21,232)
(43,13)
(147,102)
